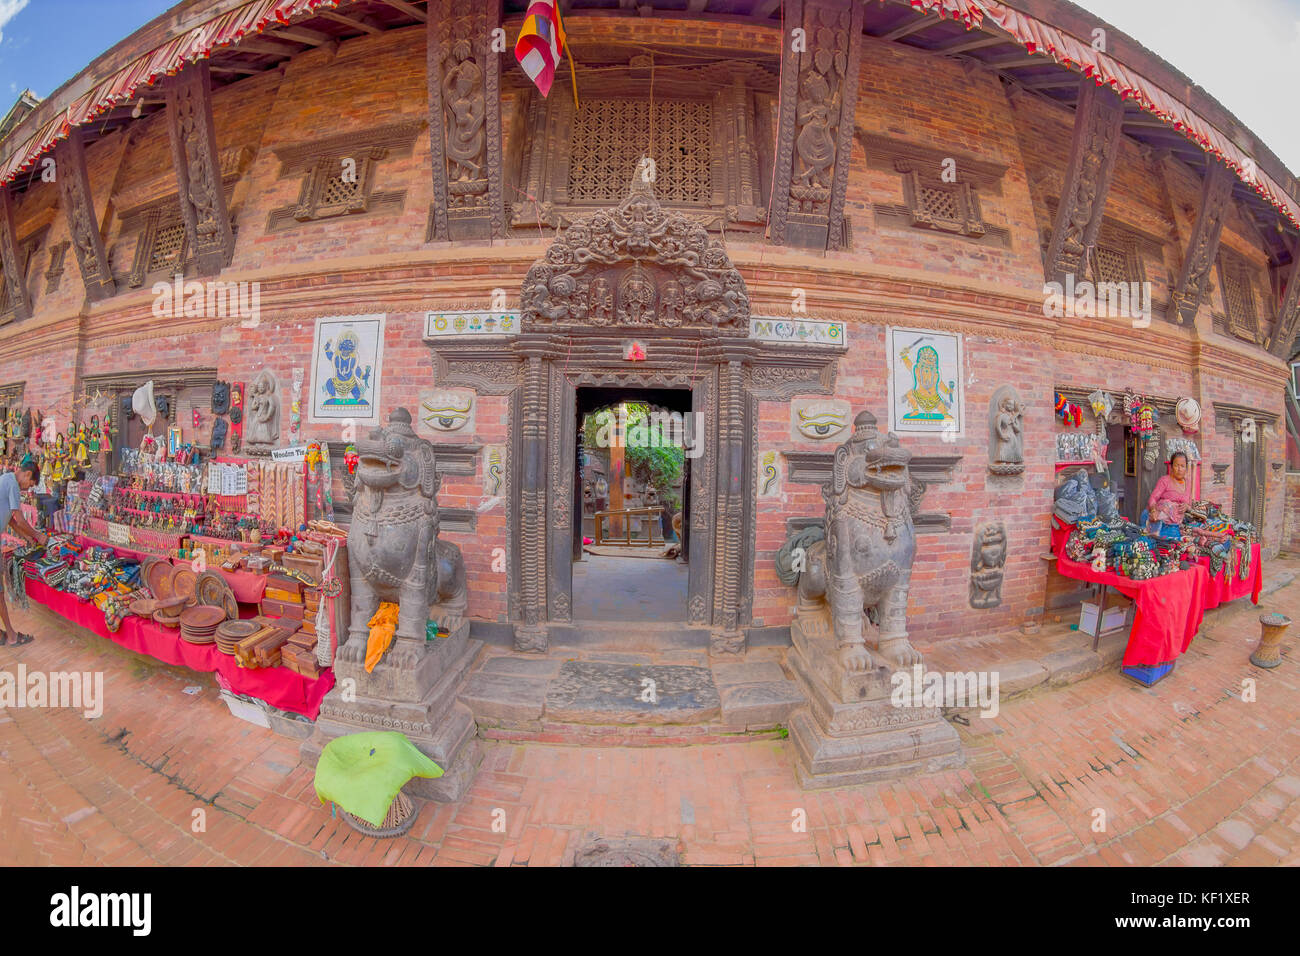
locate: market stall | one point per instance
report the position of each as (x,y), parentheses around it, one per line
(1171,553)
(211,561)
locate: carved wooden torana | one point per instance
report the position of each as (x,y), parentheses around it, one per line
(1204,244)
(636,266)
(1097,128)
(13,268)
(819,67)
(198,170)
(83,224)
(465,121)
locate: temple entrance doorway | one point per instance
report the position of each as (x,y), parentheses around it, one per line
(632,490)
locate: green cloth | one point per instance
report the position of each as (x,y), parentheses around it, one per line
(362,773)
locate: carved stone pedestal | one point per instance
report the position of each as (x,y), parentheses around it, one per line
(850,732)
(413,691)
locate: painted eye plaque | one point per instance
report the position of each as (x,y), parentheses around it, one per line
(818,420)
(446,411)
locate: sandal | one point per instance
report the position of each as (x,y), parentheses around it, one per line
(21,639)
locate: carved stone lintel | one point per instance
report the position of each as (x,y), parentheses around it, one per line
(83,224)
(1097,122)
(1203,248)
(815,128)
(9,261)
(208,235)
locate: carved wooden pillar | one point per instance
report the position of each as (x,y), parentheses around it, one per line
(83,224)
(1097,123)
(13,268)
(1288,314)
(819,63)
(531,635)
(198,171)
(730,511)
(1204,244)
(465,121)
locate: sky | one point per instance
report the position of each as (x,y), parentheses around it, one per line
(1245,53)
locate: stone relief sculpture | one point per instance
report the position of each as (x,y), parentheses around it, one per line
(861,567)
(1006,432)
(394,553)
(262,421)
(987,563)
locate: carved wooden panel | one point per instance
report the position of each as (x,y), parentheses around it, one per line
(54,271)
(820,70)
(1288,314)
(15,272)
(637,266)
(465,121)
(1239,301)
(198,169)
(340,174)
(1203,247)
(705,138)
(1097,122)
(83,224)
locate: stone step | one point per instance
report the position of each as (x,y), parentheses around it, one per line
(543,698)
(647,735)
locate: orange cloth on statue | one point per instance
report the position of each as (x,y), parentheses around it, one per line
(382,628)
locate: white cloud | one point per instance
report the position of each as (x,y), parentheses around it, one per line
(1242,54)
(8,10)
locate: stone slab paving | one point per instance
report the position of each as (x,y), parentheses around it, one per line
(1203,768)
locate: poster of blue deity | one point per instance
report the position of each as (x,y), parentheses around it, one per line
(925,381)
(347,358)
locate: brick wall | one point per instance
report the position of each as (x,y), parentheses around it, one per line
(893,276)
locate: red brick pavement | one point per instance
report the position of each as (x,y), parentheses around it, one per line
(1103,772)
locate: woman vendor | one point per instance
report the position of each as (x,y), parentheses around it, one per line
(1170,498)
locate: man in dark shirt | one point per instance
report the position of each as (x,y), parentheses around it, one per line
(21,478)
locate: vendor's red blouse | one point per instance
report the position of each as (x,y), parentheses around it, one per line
(1168,501)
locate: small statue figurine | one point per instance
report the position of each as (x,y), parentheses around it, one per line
(1006,428)
(262,425)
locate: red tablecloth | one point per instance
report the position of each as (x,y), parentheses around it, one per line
(1228,587)
(1167,610)
(278,686)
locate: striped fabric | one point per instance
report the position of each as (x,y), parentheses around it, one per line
(541,43)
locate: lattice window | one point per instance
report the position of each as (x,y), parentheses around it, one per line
(1239,300)
(1111,264)
(338,185)
(933,204)
(168,249)
(610,135)
(339,192)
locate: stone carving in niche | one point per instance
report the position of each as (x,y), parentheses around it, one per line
(636,266)
(1006,432)
(988,561)
(262,420)
(818,419)
(447,410)
(1220,474)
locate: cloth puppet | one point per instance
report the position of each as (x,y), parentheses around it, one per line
(94,435)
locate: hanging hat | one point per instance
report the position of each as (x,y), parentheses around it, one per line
(1188,413)
(142,403)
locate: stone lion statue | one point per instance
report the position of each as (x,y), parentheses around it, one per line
(857,566)
(394,553)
